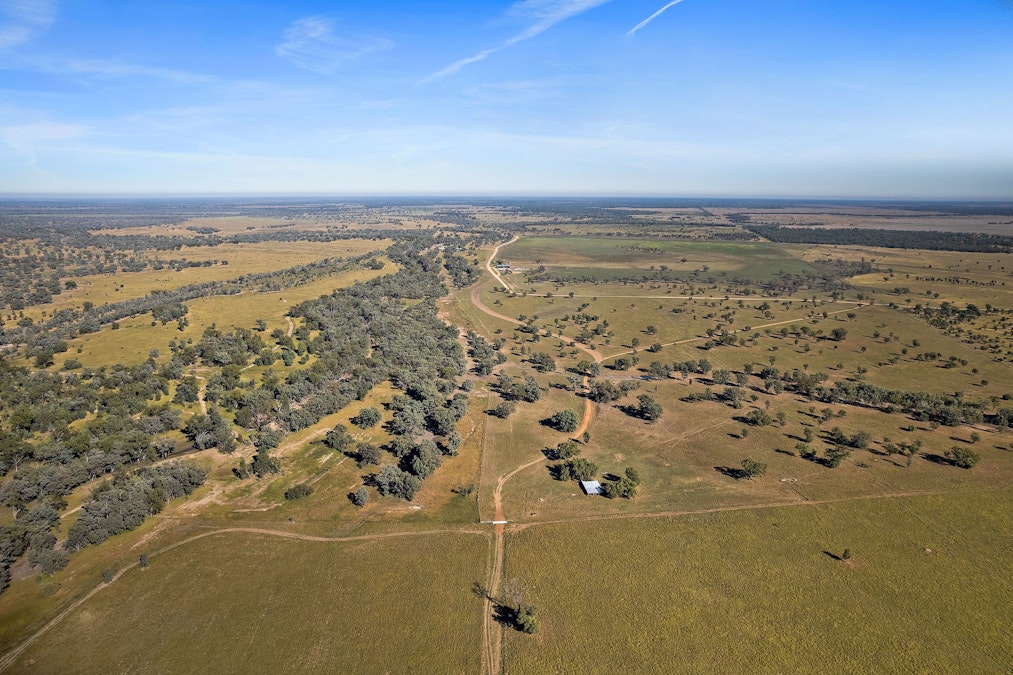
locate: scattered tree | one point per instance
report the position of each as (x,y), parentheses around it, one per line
(298,491)
(962,457)
(565,421)
(752,468)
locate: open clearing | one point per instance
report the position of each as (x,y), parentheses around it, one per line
(609,258)
(713,592)
(225,602)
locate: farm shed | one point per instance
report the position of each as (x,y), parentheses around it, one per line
(591,487)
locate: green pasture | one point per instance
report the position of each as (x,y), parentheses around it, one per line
(631,313)
(610,258)
(684,459)
(241,602)
(926,589)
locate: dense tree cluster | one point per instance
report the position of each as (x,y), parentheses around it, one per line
(606,391)
(920,239)
(124,502)
(486,356)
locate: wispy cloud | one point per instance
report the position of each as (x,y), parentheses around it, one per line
(27,138)
(541,15)
(20,20)
(119,69)
(653,17)
(312,44)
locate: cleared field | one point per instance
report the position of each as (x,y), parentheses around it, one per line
(684,459)
(609,258)
(638,317)
(242,259)
(134,339)
(241,602)
(926,590)
(225,225)
(911,276)
(876,217)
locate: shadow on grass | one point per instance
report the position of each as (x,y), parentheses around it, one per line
(503,614)
(731,472)
(833,555)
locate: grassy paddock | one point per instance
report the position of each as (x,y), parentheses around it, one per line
(927,589)
(243,602)
(607,258)
(242,259)
(136,336)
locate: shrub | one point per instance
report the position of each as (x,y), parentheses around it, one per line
(359,497)
(962,457)
(298,491)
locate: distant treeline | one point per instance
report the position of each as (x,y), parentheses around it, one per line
(927,240)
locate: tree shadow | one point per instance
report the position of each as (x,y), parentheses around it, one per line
(814,458)
(784,452)
(503,614)
(833,555)
(937,459)
(731,472)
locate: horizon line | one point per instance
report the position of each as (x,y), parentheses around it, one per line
(495,195)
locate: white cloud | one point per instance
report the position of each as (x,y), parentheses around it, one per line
(20,20)
(541,15)
(312,44)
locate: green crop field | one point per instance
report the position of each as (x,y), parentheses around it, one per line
(926,589)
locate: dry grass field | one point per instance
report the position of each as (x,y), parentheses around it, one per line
(233,261)
(136,336)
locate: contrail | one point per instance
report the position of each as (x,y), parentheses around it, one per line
(652,17)
(544,14)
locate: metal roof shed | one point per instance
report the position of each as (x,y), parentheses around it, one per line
(591,487)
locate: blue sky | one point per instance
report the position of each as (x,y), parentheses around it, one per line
(809,98)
